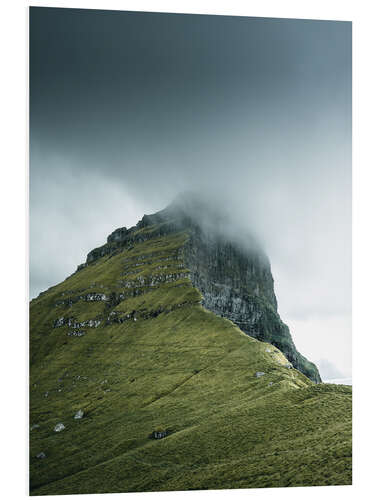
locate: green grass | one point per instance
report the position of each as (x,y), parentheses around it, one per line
(178,367)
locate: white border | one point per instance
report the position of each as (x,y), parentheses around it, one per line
(15,230)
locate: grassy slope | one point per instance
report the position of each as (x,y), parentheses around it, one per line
(185,370)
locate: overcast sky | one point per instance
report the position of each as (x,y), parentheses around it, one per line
(129,109)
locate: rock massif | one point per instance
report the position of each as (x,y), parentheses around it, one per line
(146,372)
(230,270)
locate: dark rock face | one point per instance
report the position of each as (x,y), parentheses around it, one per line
(238,285)
(228,275)
(117,235)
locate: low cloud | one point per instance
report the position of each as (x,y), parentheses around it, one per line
(256,119)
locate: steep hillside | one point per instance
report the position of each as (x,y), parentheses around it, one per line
(155,391)
(230,270)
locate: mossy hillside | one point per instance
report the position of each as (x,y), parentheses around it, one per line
(183,369)
(104,276)
(133,236)
(101,277)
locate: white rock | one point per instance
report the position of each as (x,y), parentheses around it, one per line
(78,415)
(59,427)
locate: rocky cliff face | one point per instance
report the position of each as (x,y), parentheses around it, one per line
(233,277)
(238,285)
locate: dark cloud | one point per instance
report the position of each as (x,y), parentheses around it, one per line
(129,109)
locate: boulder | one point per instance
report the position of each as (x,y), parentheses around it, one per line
(159,434)
(59,427)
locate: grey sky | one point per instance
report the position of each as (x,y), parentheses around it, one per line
(129,109)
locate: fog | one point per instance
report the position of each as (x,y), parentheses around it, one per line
(127,110)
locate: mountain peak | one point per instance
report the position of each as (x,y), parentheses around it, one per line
(225,264)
